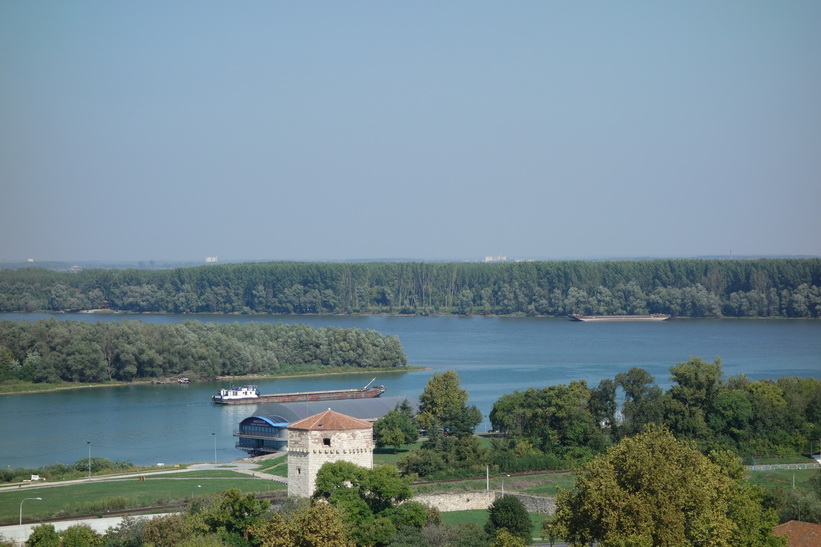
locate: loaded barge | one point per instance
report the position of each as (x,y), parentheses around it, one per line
(251,395)
(650,317)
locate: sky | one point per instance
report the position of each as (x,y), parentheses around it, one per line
(267,130)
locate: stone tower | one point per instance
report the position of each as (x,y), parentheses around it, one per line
(325,437)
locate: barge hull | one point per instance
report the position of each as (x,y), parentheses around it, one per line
(593,318)
(336,395)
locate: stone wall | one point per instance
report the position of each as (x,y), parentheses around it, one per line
(309,450)
(465,501)
(458,502)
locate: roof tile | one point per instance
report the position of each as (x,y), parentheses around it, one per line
(330,421)
(800,534)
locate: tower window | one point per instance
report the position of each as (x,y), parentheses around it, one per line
(326,442)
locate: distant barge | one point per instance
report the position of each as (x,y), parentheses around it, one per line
(250,395)
(591,318)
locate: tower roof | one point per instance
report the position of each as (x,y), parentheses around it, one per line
(330,421)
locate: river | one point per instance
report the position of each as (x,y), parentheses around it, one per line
(149,424)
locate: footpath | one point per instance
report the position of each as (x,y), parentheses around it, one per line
(20,533)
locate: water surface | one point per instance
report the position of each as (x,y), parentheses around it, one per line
(147,424)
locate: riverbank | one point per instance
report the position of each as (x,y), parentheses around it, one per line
(20,388)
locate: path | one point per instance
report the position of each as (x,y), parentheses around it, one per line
(19,534)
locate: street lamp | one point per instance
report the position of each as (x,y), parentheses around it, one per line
(21,507)
(215,447)
(89,459)
(192,491)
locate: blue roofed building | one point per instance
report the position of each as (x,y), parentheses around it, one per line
(266,432)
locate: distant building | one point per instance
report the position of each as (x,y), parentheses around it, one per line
(267,431)
(323,438)
(495,259)
(259,435)
(211,259)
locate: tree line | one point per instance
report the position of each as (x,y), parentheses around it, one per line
(78,351)
(751,418)
(686,287)
(563,426)
(574,426)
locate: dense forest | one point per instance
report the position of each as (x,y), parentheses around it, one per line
(751,418)
(688,287)
(76,351)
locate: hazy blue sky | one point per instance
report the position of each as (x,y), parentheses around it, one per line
(426,130)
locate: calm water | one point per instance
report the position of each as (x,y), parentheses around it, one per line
(148,424)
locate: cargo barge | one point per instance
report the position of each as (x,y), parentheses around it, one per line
(250,395)
(591,318)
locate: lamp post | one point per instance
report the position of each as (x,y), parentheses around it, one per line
(215,447)
(21,507)
(503,484)
(192,491)
(89,459)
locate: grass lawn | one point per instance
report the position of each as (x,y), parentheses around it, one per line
(205,474)
(275,466)
(383,456)
(98,497)
(783,478)
(542,485)
(479,518)
(535,485)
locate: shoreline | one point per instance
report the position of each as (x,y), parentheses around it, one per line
(217,379)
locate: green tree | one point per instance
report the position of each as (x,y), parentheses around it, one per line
(81,535)
(653,487)
(166,531)
(504,538)
(319,525)
(443,403)
(696,387)
(369,500)
(395,429)
(128,533)
(232,513)
(43,535)
(508,513)
(642,400)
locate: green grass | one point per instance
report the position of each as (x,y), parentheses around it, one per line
(19,386)
(545,484)
(783,478)
(542,485)
(275,466)
(94,497)
(387,456)
(202,474)
(479,518)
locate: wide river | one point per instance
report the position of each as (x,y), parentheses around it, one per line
(149,424)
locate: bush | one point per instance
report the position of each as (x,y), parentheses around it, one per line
(43,535)
(508,513)
(81,535)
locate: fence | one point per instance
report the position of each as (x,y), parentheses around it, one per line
(781,466)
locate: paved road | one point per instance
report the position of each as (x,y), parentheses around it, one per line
(19,534)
